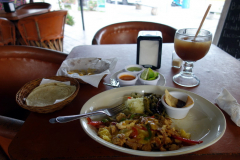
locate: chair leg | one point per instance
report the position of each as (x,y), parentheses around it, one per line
(56,44)
(50,44)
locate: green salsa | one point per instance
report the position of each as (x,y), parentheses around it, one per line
(134,69)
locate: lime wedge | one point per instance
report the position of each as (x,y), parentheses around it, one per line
(150,74)
(155,75)
(144,74)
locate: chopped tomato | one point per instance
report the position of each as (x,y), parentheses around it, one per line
(187,140)
(94,123)
(129,97)
(89,119)
(113,123)
(134,133)
(141,127)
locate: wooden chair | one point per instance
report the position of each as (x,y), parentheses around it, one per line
(7,32)
(19,65)
(127,32)
(45,30)
(36,5)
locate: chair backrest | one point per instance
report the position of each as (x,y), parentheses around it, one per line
(45,30)
(7,32)
(36,5)
(19,65)
(127,32)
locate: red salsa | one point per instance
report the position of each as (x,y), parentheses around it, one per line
(127,77)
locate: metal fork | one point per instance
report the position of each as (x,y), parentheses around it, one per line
(108,111)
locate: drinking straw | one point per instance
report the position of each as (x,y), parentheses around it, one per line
(204,17)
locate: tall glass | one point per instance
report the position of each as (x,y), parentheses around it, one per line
(190,50)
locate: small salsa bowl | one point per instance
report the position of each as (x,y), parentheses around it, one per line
(148,82)
(132,67)
(122,78)
(177,113)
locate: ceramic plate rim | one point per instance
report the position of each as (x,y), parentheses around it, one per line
(83,123)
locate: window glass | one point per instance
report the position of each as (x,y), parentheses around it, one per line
(99,13)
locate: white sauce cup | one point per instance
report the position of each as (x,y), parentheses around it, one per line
(127,82)
(135,72)
(149,82)
(177,113)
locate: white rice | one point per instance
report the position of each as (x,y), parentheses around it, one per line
(135,105)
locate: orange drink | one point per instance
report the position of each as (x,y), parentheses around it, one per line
(191,50)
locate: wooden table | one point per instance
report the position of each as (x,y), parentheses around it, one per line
(22,13)
(38,139)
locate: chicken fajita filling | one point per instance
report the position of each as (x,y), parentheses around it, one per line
(144,125)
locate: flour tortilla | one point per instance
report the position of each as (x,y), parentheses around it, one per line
(47,94)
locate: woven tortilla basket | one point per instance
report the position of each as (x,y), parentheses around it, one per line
(23,93)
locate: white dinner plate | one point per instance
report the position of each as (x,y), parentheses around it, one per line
(161,82)
(204,121)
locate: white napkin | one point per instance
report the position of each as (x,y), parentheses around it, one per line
(230,105)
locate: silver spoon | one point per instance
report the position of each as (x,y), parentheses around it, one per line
(114,83)
(107,84)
